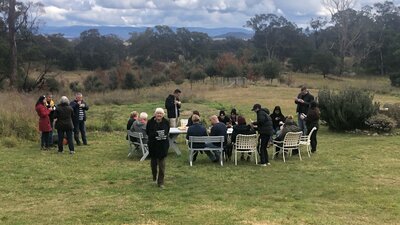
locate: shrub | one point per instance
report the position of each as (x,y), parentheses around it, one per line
(393,112)
(395,79)
(93,83)
(53,85)
(346,109)
(269,69)
(75,86)
(381,123)
(10,142)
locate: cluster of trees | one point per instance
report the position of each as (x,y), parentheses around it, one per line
(360,41)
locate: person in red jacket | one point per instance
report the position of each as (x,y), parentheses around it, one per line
(44,122)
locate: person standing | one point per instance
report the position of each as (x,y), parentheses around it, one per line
(50,104)
(80,107)
(157,130)
(312,120)
(63,115)
(44,122)
(265,131)
(303,100)
(173,104)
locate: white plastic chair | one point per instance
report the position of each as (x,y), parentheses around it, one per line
(245,144)
(290,142)
(306,141)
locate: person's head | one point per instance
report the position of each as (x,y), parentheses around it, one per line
(49,97)
(195,118)
(277,109)
(78,96)
(64,100)
(289,120)
(41,100)
(304,90)
(134,115)
(143,117)
(159,114)
(233,112)
(222,113)
(214,119)
(241,120)
(195,112)
(256,107)
(177,93)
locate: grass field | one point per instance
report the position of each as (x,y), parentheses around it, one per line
(352,179)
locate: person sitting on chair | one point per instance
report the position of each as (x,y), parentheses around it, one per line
(289,126)
(223,118)
(140,126)
(217,129)
(190,122)
(240,128)
(197,129)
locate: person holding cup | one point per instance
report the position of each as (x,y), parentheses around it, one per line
(80,107)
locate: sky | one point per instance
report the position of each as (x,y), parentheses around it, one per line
(179,13)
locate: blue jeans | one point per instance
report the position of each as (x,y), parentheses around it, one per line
(302,124)
(79,126)
(213,155)
(68,133)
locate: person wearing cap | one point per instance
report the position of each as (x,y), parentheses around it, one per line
(157,130)
(303,100)
(173,104)
(265,131)
(223,118)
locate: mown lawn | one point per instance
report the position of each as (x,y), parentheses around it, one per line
(351,180)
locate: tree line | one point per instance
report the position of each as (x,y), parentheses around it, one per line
(349,42)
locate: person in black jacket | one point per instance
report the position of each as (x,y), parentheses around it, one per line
(173,104)
(303,100)
(277,118)
(190,121)
(197,129)
(50,104)
(63,115)
(224,119)
(265,131)
(80,107)
(312,120)
(157,130)
(241,128)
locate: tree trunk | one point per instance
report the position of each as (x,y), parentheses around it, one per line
(382,64)
(12,42)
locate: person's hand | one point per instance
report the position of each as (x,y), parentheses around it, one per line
(82,105)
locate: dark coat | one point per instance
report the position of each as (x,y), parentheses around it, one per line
(196,129)
(64,114)
(226,120)
(277,118)
(241,129)
(170,106)
(129,124)
(312,119)
(289,126)
(158,138)
(303,107)
(44,120)
(219,129)
(75,106)
(264,122)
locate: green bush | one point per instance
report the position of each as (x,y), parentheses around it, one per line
(93,83)
(347,109)
(10,142)
(395,79)
(381,123)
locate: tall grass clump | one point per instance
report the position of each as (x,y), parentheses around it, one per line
(18,117)
(346,109)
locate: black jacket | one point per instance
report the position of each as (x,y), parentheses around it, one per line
(303,107)
(277,117)
(241,129)
(170,106)
(158,138)
(75,106)
(64,115)
(289,126)
(312,119)
(264,122)
(219,129)
(196,129)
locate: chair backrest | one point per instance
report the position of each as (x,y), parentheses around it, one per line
(246,141)
(184,122)
(292,139)
(206,139)
(137,136)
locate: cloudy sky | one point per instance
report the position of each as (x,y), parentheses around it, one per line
(180,13)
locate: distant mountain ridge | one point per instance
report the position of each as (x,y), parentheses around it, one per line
(124,32)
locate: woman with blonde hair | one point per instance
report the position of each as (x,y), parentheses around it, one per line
(157,130)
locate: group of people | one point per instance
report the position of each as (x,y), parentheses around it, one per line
(68,118)
(156,129)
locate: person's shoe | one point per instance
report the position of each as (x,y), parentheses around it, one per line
(215,160)
(72,152)
(313,151)
(161,186)
(264,164)
(248,158)
(242,158)
(78,144)
(268,164)
(85,143)
(60,152)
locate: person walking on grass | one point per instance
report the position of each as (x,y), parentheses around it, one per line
(63,116)
(157,130)
(312,120)
(173,104)
(265,131)
(44,122)
(80,107)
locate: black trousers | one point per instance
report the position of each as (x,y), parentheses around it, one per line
(313,139)
(263,141)
(61,134)
(79,126)
(160,163)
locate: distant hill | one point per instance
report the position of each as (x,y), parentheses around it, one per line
(124,32)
